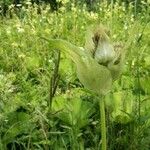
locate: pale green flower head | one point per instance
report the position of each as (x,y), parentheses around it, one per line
(99,44)
(98,64)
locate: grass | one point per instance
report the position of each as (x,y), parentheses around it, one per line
(29,74)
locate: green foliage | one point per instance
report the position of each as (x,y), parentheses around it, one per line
(72,110)
(27,65)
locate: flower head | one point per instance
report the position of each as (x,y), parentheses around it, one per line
(98,64)
(103,50)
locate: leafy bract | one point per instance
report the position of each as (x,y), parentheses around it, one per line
(93,76)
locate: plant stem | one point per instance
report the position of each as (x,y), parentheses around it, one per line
(102,122)
(54,80)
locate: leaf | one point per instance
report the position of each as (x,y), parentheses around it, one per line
(19,123)
(145,84)
(72,110)
(147,61)
(32,62)
(121,108)
(67,70)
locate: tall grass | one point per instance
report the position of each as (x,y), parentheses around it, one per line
(28,70)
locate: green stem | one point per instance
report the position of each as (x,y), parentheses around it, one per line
(102,122)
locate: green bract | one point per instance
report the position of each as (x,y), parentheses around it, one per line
(97,65)
(92,75)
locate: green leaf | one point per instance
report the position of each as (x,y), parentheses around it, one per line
(19,123)
(72,110)
(145,84)
(32,62)
(120,106)
(147,61)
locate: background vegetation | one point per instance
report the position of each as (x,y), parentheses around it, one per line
(42,103)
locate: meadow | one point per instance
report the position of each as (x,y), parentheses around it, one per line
(43,105)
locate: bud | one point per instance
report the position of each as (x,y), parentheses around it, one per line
(103,51)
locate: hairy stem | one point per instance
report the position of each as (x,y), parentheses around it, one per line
(102,122)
